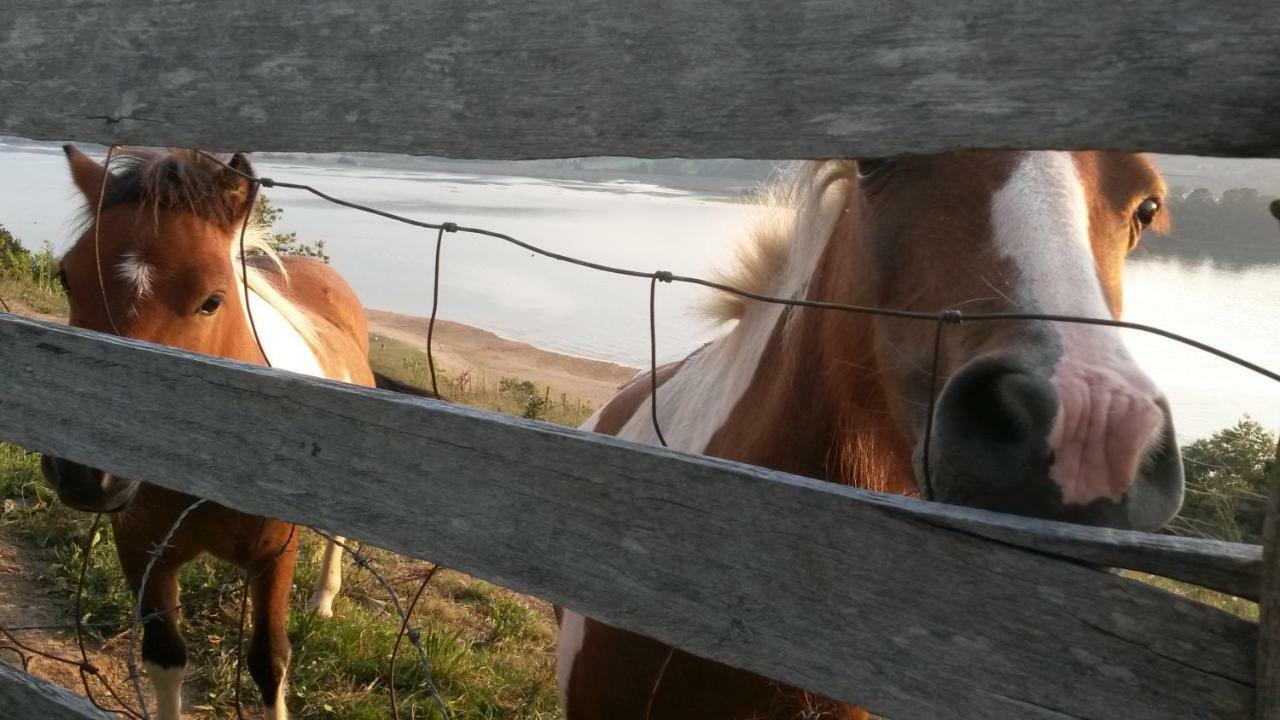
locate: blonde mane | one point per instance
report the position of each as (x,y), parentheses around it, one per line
(257,242)
(783,209)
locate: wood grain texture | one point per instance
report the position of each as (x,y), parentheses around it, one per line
(27,696)
(800,580)
(697,78)
(1232,568)
(1268,707)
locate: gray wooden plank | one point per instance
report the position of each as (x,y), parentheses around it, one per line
(800,580)
(698,78)
(27,696)
(1268,704)
(1232,568)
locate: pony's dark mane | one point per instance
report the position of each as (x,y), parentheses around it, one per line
(183,180)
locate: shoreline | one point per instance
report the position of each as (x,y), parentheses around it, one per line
(464,347)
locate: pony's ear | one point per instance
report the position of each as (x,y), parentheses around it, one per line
(86,173)
(236,182)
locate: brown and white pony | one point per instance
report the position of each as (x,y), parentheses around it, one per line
(1036,418)
(161,263)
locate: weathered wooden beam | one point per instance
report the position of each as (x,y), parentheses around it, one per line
(797,579)
(1232,568)
(27,696)
(1268,705)
(698,78)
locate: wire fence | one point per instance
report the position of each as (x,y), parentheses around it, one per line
(942,319)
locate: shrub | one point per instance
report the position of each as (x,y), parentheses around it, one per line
(1227,483)
(266,214)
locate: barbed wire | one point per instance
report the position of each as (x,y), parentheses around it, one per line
(90,540)
(942,318)
(244,604)
(951,316)
(85,668)
(363,563)
(154,556)
(948,316)
(412,634)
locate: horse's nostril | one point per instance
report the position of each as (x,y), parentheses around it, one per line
(1000,403)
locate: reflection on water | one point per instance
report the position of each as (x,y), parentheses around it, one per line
(498,287)
(1236,311)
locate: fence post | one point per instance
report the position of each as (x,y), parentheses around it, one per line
(1268,704)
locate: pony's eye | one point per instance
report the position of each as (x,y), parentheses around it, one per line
(62,278)
(211,304)
(1147,211)
(870,167)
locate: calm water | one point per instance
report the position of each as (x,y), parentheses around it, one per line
(495,286)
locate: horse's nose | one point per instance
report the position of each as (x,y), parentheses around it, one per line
(990,430)
(84,488)
(1068,443)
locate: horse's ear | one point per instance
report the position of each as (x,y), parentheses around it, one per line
(237,182)
(86,173)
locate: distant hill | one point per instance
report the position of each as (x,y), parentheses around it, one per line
(1218,206)
(1233,229)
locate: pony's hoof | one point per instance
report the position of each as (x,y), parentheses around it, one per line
(321,604)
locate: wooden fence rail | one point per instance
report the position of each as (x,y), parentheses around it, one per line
(894,603)
(914,610)
(26,696)
(696,78)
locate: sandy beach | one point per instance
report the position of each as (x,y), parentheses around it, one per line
(459,346)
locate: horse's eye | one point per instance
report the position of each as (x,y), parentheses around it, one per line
(62,278)
(870,167)
(211,304)
(1147,211)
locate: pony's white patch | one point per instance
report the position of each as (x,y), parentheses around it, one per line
(573,629)
(695,403)
(1041,223)
(167,683)
(1108,422)
(1040,218)
(137,273)
(287,335)
(279,710)
(257,239)
(697,400)
(284,345)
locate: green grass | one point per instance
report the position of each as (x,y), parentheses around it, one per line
(1237,606)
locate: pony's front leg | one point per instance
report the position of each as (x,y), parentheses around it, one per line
(271,579)
(164,653)
(321,602)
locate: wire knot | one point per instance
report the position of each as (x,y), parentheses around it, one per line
(665,276)
(266,182)
(449,227)
(413,635)
(90,668)
(951,317)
